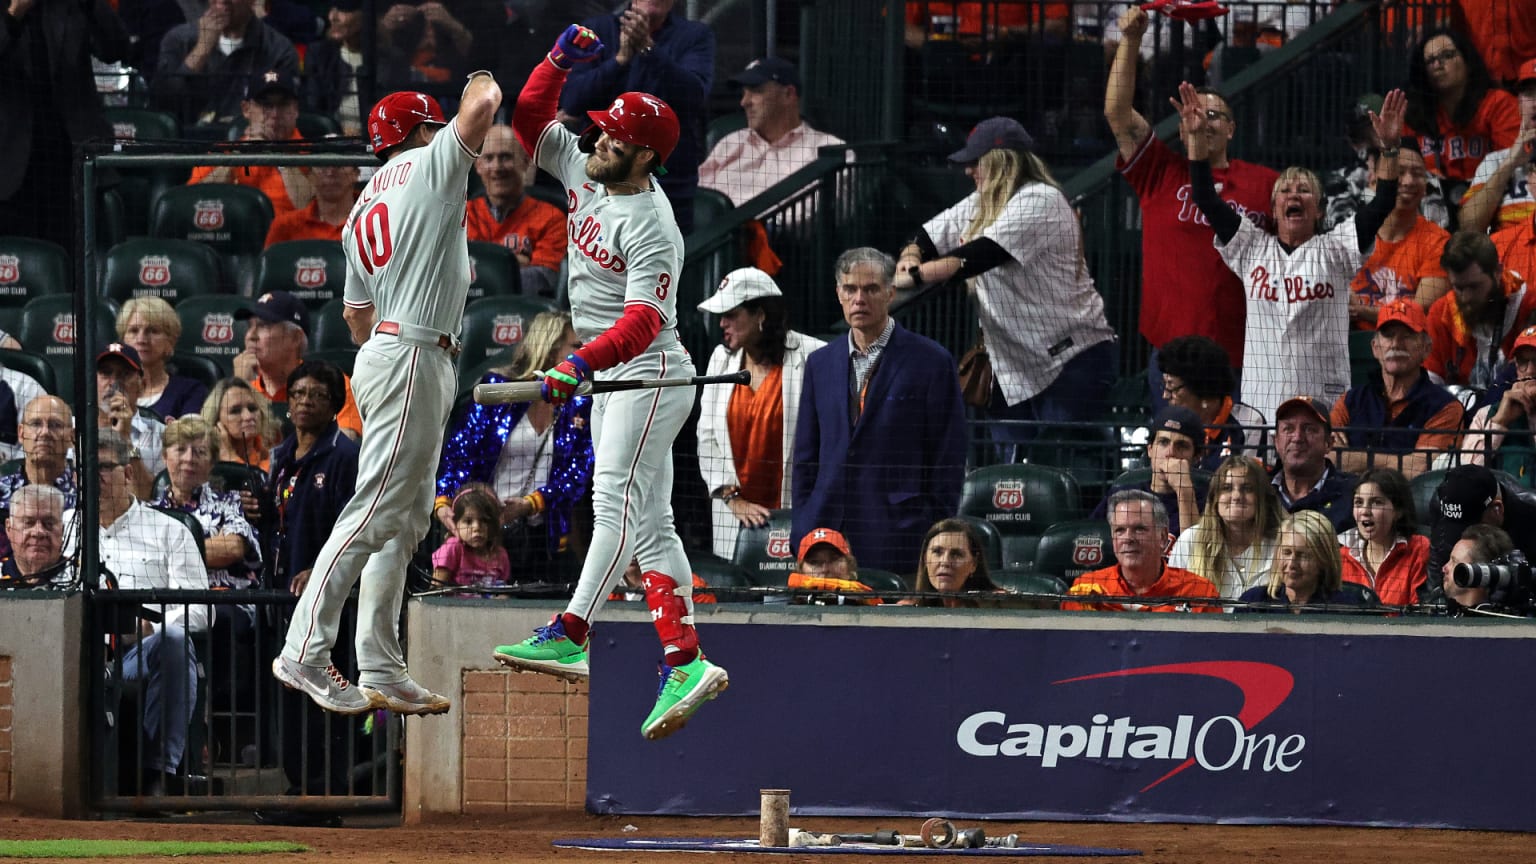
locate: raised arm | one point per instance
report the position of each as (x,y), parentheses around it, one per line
(1224,220)
(540,98)
(477,109)
(1483,199)
(1388,128)
(1130,128)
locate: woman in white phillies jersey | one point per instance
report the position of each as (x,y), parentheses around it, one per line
(1296,341)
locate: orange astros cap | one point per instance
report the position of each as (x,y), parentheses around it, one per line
(1404,311)
(1527,72)
(1526,339)
(835,539)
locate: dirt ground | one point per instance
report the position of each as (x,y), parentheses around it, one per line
(525,837)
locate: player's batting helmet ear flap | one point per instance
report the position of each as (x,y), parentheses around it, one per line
(587,143)
(642,119)
(397,115)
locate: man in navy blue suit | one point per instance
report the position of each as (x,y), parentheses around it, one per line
(880,442)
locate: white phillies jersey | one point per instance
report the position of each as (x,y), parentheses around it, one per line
(623,248)
(1039,309)
(1297,337)
(404,239)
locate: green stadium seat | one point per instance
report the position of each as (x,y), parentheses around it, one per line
(728,582)
(722,126)
(328,330)
(209,328)
(183,517)
(133,124)
(314,271)
(317,125)
(48,328)
(1021,501)
(199,367)
(765,552)
(1067,550)
(493,325)
(884,581)
(493,270)
(1363,366)
(29,363)
(32,268)
(991,540)
(172,270)
(231,219)
(1026,581)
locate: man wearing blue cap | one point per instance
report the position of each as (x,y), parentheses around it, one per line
(1177,438)
(271,110)
(777,141)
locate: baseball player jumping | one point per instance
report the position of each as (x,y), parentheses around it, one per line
(407,280)
(625,256)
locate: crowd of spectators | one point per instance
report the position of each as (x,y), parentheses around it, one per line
(1271,485)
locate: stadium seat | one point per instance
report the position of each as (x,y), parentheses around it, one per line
(765,552)
(1025,581)
(35,365)
(48,328)
(172,270)
(183,517)
(133,124)
(710,206)
(328,330)
(317,125)
(548,194)
(209,328)
(1363,366)
(200,368)
(231,219)
(493,271)
(1423,488)
(1067,550)
(991,541)
(31,268)
(722,126)
(228,476)
(884,581)
(494,324)
(111,221)
(342,358)
(1021,501)
(728,582)
(314,271)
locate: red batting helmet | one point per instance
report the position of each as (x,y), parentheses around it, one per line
(642,119)
(397,115)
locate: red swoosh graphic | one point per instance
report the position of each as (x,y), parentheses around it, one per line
(1264,687)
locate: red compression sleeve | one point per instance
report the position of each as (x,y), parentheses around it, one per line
(537,104)
(624,341)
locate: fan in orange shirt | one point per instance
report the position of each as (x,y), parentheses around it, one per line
(335,193)
(1138,525)
(534,230)
(271,109)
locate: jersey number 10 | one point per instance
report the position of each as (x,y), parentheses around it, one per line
(374,245)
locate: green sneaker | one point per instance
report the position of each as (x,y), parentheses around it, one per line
(683,689)
(549,651)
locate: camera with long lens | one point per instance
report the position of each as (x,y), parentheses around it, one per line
(1506,573)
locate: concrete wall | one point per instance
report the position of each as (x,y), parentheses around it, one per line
(43,755)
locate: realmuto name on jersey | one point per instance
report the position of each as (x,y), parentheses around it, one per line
(588,241)
(1297,289)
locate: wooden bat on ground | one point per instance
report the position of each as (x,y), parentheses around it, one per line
(529,391)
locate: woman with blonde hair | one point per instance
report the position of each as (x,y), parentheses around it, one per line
(1307,570)
(536,457)
(1018,244)
(151,326)
(1233,544)
(243,423)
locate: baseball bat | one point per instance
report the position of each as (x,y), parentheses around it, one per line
(530,391)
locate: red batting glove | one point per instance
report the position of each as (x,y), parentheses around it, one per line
(576,45)
(560,383)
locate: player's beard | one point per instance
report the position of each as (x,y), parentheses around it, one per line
(613,170)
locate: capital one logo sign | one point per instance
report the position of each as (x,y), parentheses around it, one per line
(1224,742)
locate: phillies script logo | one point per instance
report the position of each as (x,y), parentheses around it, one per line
(1088,551)
(588,239)
(309,272)
(155,271)
(64,329)
(1297,288)
(1225,742)
(507,329)
(778,544)
(10,269)
(218,328)
(208,215)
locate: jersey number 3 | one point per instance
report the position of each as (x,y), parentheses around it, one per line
(663,286)
(374,245)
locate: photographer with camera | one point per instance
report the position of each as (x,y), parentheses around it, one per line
(1471,495)
(1487,575)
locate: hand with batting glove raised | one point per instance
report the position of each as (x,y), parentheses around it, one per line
(560,383)
(577,44)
